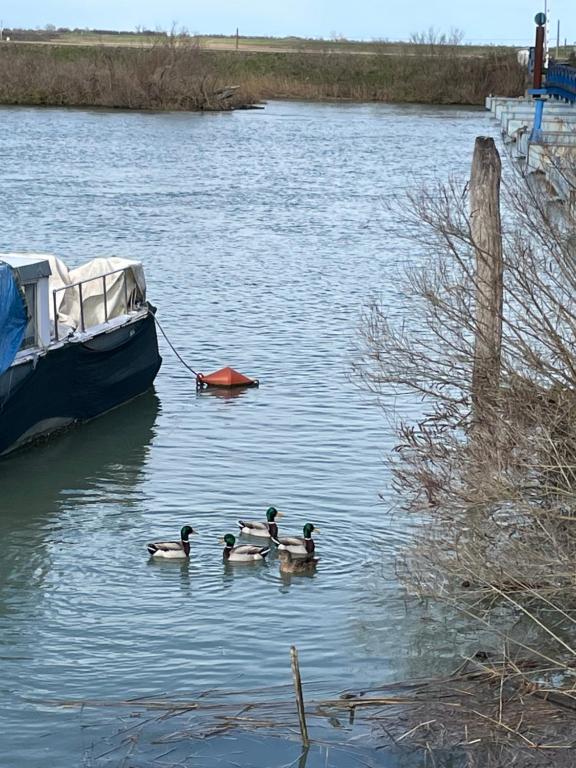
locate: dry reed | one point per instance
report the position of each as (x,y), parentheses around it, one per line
(169,75)
(488,713)
(174,73)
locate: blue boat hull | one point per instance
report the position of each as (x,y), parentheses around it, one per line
(77,382)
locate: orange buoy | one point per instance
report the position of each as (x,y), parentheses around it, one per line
(226,378)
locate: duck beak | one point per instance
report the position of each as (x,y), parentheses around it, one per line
(194,532)
(279,514)
(317,530)
(221,541)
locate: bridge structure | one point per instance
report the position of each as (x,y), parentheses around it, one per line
(559,86)
(560,82)
(540,127)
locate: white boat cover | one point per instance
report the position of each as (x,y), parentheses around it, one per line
(96,309)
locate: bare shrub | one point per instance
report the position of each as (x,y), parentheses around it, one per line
(498,539)
(173,73)
(433,39)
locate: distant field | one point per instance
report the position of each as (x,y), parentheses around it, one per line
(252,44)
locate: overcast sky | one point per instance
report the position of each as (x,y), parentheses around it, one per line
(507,21)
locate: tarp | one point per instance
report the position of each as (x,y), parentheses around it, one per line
(13,317)
(96,310)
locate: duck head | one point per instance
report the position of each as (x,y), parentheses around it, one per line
(186,531)
(308,529)
(272,513)
(229,540)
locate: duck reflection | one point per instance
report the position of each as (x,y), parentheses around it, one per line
(233,571)
(166,570)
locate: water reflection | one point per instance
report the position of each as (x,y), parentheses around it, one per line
(166,569)
(112,448)
(225,394)
(37,484)
(288,579)
(232,572)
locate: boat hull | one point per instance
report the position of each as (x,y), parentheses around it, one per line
(76,382)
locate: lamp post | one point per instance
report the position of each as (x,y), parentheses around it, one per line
(546,40)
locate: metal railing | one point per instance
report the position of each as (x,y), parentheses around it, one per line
(561,81)
(79,285)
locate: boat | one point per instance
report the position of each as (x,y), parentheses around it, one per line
(74,344)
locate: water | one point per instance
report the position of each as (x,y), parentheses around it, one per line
(263,234)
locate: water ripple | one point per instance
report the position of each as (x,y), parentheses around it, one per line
(263,234)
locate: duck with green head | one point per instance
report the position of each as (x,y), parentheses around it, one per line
(297,545)
(243,553)
(267,530)
(173,550)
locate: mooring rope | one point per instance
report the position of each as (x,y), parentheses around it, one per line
(226,378)
(178,355)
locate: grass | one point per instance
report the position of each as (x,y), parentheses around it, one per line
(175,73)
(249,43)
(441,79)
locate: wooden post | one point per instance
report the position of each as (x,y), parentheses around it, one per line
(299,696)
(303,757)
(237,38)
(487,236)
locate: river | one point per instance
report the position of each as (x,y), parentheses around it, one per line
(263,234)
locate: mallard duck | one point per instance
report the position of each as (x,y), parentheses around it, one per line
(267,530)
(244,553)
(297,546)
(291,564)
(173,549)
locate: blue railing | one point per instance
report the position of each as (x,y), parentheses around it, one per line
(561,82)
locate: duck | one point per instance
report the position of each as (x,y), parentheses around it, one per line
(244,553)
(291,564)
(267,530)
(173,549)
(296,545)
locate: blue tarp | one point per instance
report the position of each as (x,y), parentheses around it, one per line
(13,317)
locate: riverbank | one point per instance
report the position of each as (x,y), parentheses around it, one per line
(175,76)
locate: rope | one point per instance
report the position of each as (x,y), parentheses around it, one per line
(178,355)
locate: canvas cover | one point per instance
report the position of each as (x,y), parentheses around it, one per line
(96,310)
(13,317)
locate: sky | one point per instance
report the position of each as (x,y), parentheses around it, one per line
(497,21)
